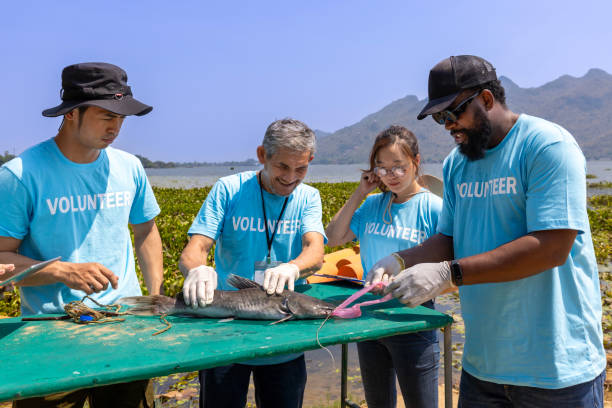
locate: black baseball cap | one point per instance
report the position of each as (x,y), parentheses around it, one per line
(97,84)
(451,76)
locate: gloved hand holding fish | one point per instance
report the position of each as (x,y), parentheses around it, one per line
(199,286)
(250,301)
(276,278)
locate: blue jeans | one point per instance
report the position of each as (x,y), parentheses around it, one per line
(276,385)
(414,358)
(475,393)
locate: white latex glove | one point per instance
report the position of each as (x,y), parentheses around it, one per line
(199,287)
(275,278)
(420,283)
(382,270)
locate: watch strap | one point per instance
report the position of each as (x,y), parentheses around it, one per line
(456,273)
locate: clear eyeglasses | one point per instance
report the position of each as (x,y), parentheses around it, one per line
(395,171)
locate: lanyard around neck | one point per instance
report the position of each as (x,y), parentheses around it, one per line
(269,239)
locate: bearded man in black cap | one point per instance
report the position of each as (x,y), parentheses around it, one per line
(514,236)
(73,196)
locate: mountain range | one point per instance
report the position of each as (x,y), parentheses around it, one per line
(581,105)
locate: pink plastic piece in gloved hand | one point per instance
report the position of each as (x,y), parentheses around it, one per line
(345,312)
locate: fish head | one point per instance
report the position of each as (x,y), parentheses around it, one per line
(307,307)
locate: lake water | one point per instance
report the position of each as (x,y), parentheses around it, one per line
(183,177)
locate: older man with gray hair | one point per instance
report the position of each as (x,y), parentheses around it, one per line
(268,228)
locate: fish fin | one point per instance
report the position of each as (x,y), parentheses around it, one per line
(242,283)
(148,305)
(284,319)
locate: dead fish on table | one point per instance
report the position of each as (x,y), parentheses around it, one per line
(250,301)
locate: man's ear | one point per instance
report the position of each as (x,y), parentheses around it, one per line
(488,99)
(261,154)
(311,157)
(72,115)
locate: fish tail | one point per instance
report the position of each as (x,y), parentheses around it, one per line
(149,305)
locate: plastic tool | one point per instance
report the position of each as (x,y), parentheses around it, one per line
(34,268)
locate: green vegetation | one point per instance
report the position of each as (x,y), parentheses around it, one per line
(600,217)
(148,164)
(601,184)
(5,157)
(591,176)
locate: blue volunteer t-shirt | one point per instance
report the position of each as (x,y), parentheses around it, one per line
(77,211)
(232,215)
(545,330)
(413,222)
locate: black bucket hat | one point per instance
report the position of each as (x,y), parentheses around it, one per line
(451,76)
(97,84)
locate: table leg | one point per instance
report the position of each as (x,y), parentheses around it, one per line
(448,368)
(344,374)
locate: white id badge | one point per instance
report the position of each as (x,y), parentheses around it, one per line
(260,267)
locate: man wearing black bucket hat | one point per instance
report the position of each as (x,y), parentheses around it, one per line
(514,236)
(73,196)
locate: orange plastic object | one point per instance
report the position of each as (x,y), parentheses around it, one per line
(345,262)
(342,263)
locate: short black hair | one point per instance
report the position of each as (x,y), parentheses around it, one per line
(82,109)
(496,88)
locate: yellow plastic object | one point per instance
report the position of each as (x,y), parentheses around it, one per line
(345,262)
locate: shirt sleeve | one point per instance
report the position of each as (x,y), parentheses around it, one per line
(15,206)
(144,207)
(313,215)
(556,188)
(209,221)
(445,222)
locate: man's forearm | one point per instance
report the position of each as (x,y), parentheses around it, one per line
(437,248)
(21,262)
(195,253)
(310,259)
(149,252)
(45,276)
(518,259)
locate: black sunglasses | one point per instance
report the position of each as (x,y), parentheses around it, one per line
(453,115)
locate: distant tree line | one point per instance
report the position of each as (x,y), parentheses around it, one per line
(5,157)
(149,164)
(146,163)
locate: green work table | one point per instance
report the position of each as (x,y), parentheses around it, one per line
(44,357)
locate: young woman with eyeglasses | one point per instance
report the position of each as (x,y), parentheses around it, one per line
(402,216)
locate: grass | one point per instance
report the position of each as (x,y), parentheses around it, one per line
(600,184)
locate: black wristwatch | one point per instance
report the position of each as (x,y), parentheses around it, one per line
(456,273)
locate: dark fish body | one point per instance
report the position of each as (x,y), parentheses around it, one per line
(250,301)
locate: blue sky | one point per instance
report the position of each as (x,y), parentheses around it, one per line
(217,73)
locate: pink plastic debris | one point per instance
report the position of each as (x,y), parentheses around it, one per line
(345,312)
